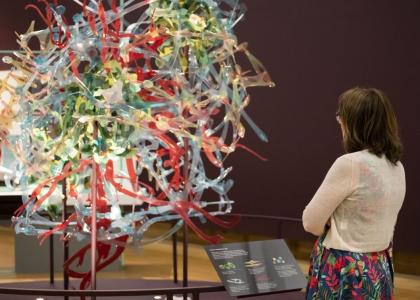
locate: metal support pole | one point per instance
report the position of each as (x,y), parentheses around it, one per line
(51,259)
(185,257)
(185,237)
(185,260)
(196,296)
(175,257)
(66,279)
(93,228)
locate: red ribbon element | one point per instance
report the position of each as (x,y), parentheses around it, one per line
(62,226)
(104,258)
(50,22)
(54,182)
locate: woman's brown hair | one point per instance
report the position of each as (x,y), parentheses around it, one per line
(369,123)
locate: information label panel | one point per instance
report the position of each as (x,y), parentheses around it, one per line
(258,267)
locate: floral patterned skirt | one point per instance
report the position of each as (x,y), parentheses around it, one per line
(336,274)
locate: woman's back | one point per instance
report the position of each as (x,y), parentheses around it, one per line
(365,220)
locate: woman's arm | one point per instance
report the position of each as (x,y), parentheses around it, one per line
(337,185)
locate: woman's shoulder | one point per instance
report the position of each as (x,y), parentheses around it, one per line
(352,160)
(365,158)
(348,158)
(343,164)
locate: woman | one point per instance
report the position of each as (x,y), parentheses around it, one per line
(355,209)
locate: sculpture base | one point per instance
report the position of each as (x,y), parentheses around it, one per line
(119,284)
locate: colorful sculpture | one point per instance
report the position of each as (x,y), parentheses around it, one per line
(163,96)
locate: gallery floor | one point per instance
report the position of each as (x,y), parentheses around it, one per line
(154,262)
